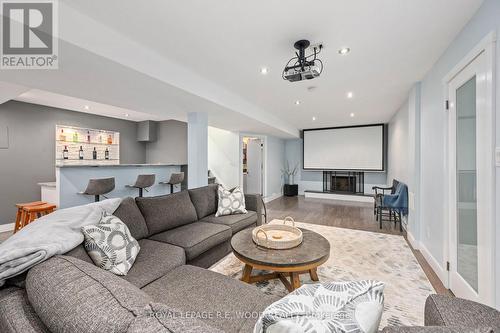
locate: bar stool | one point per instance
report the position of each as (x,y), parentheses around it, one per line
(99,186)
(31,213)
(142,182)
(175,179)
(19,216)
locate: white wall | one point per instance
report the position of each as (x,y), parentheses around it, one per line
(397,159)
(433,137)
(275,161)
(223,156)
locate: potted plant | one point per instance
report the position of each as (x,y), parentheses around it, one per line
(289,173)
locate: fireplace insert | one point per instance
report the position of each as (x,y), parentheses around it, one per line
(343,182)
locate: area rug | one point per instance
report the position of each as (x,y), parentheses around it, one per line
(360,255)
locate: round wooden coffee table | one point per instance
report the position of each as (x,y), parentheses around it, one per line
(305,258)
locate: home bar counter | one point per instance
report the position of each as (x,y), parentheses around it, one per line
(72,179)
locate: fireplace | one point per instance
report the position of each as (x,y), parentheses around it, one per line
(344,182)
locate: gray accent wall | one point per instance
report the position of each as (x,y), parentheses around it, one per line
(170,146)
(30,156)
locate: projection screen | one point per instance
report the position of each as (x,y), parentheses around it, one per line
(345,148)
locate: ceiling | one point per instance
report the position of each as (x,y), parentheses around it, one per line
(200,55)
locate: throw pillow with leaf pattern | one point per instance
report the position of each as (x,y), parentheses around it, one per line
(110,245)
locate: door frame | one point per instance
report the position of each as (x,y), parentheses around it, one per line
(263,139)
(486,47)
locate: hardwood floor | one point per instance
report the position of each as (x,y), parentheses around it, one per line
(343,214)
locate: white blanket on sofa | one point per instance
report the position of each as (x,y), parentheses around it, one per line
(56,233)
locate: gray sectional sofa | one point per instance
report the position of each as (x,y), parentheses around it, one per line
(167,288)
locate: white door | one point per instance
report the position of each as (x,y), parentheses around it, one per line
(471,172)
(254,166)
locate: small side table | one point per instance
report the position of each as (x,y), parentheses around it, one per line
(291,190)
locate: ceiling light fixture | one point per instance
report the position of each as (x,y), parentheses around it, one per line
(344,51)
(264,70)
(126,114)
(297,102)
(350,94)
(86,107)
(314,118)
(352,115)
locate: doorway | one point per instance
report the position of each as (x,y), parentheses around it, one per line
(471,180)
(253,165)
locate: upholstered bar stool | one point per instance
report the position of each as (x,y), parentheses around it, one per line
(175,179)
(31,213)
(98,187)
(20,213)
(143,182)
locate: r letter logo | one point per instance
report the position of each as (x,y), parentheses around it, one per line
(29,34)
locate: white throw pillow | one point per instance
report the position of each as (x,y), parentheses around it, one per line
(110,245)
(230,201)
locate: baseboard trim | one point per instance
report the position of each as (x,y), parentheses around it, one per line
(436,267)
(413,242)
(272,197)
(6,227)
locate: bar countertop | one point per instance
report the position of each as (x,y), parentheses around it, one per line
(115,165)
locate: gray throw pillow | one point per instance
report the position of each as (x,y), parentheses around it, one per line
(230,201)
(110,245)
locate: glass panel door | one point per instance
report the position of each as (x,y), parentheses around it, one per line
(467,258)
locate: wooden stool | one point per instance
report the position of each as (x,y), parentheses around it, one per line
(20,210)
(31,213)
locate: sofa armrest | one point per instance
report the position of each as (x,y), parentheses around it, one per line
(434,329)
(254,202)
(442,310)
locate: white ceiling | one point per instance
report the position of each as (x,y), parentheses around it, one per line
(200,55)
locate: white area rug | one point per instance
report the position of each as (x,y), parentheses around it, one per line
(359,255)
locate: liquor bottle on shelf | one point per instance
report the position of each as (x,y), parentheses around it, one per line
(94,154)
(106,154)
(62,137)
(65,152)
(75,136)
(80,153)
(88,136)
(110,140)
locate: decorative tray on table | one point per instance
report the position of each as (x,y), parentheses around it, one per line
(278,236)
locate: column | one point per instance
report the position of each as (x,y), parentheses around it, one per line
(197,149)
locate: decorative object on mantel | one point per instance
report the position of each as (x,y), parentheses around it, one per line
(289,173)
(278,236)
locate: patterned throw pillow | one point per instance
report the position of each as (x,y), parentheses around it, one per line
(230,201)
(110,245)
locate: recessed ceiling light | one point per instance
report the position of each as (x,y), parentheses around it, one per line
(314,118)
(86,107)
(352,115)
(350,94)
(126,114)
(297,102)
(344,51)
(264,70)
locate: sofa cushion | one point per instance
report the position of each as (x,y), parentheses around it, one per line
(230,201)
(204,200)
(167,211)
(215,294)
(154,261)
(130,214)
(70,295)
(16,313)
(236,222)
(442,310)
(195,238)
(79,252)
